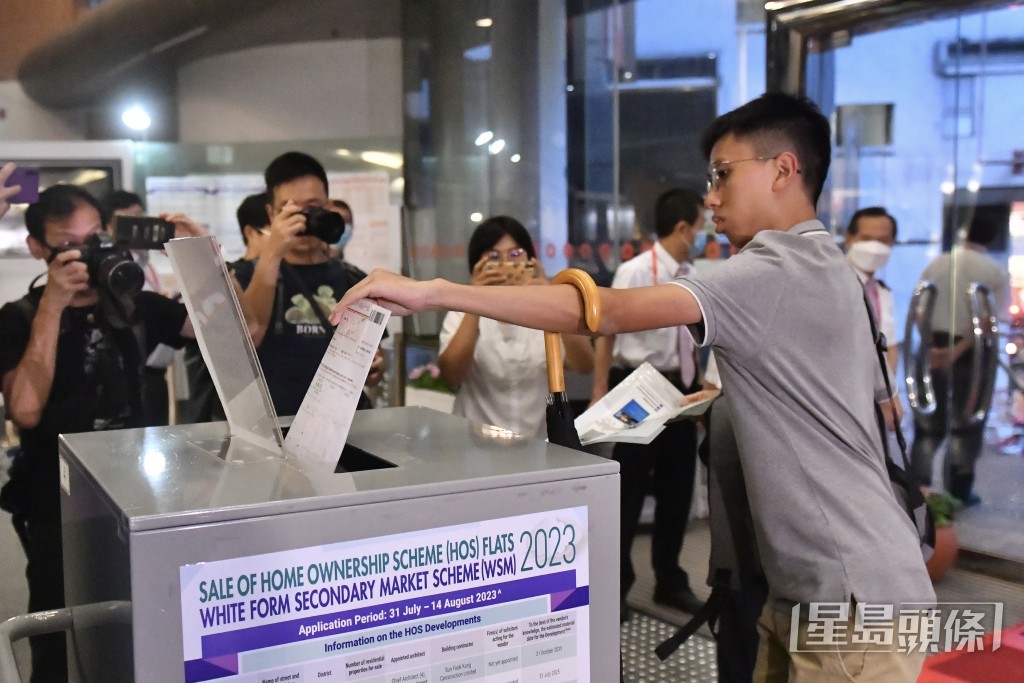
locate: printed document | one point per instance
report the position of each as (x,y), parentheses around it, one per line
(321,426)
(636,410)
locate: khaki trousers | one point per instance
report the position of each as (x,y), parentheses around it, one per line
(846,662)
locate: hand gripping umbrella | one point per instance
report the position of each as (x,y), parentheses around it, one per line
(561,429)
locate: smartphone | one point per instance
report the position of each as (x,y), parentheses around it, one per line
(28,179)
(520,273)
(515,273)
(142,232)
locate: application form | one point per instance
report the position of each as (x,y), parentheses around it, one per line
(321,426)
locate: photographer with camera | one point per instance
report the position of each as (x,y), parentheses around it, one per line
(293,285)
(72,353)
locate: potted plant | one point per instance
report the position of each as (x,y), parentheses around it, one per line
(944,508)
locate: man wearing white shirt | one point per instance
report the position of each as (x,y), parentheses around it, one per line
(869,239)
(670,460)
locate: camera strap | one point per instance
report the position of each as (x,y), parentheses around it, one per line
(304,290)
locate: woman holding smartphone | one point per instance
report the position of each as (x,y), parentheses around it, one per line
(500,369)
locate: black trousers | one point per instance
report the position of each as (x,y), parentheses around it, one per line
(40,536)
(666,468)
(736,636)
(965,441)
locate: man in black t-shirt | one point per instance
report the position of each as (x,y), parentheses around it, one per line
(293,278)
(71,361)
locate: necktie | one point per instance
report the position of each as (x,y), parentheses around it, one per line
(871,287)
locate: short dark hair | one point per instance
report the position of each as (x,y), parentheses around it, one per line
(488,233)
(673,206)
(288,167)
(774,123)
(121,199)
(55,203)
(252,212)
(869,212)
(983,228)
(342,204)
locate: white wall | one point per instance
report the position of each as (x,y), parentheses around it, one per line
(23,119)
(340,89)
(15,276)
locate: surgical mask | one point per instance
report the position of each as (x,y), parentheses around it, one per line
(345,237)
(869,256)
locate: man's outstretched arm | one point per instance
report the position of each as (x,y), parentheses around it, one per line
(556,308)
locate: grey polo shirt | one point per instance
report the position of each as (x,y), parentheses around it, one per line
(788,323)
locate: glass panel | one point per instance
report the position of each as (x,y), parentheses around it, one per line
(484,129)
(639,95)
(227,347)
(926,121)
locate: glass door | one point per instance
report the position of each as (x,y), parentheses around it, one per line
(926,110)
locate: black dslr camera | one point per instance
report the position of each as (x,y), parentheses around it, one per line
(109,259)
(324,224)
(110,265)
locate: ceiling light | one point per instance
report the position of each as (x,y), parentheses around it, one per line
(483,138)
(485,22)
(386,159)
(496,146)
(136,118)
(476,216)
(515,158)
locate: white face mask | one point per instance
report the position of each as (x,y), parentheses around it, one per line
(869,256)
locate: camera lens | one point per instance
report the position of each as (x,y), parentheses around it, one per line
(120,275)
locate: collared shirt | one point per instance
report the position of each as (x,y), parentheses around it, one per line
(881,300)
(658,347)
(507,381)
(787,321)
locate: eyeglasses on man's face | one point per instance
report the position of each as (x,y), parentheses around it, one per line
(719,171)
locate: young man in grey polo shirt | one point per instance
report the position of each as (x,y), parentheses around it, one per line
(789,326)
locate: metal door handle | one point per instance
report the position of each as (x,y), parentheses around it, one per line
(985,330)
(917,370)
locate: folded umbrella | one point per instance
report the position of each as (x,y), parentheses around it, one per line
(561,429)
(561,423)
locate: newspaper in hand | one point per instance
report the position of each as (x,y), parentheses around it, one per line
(636,410)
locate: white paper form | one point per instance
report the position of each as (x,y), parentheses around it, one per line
(321,426)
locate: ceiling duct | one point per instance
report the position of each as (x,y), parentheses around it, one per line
(125,45)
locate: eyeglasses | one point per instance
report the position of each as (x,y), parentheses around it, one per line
(514,254)
(717,174)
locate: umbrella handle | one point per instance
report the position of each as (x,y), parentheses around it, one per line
(584,284)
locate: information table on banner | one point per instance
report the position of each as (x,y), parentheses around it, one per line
(501,600)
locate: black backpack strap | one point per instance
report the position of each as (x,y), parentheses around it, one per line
(707,614)
(881,346)
(903,477)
